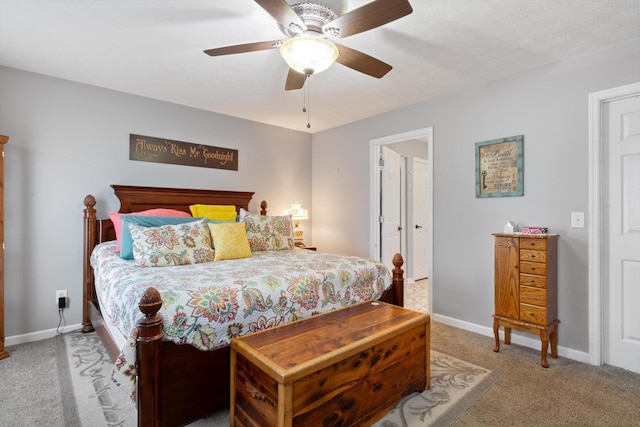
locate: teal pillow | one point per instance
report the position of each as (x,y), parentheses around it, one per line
(126,241)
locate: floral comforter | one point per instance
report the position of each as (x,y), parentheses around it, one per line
(208,304)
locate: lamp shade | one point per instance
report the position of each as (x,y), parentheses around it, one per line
(297,212)
(309,54)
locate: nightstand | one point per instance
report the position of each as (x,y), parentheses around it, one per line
(311,248)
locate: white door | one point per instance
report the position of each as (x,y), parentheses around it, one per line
(621,188)
(421,220)
(391,187)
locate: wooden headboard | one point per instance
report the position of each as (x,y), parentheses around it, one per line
(135,199)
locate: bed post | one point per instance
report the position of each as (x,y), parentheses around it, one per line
(263,207)
(89,243)
(398,279)
(149,358)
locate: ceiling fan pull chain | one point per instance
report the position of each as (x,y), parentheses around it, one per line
(308,92)
(304,95)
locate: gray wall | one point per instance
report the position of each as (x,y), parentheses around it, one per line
(549,107)
(68,140)
(59,128)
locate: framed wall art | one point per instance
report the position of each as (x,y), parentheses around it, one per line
(499,167)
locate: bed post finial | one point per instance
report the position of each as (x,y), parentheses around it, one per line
(149,359)
(89,203)
(263,207)
(89,243)
(150,302)
(398,279)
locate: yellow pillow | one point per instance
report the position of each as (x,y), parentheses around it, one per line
(230,240)
(217,215)
(196,210)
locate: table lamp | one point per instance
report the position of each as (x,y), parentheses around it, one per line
(298,213)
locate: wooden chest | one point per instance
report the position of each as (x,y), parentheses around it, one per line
(346,367)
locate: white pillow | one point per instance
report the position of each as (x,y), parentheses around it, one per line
(268,233)
(188,243)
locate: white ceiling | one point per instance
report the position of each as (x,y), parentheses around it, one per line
(154,48)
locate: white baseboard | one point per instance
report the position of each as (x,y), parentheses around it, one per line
(39,335)
(526,341)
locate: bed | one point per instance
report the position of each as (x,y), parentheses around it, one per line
(176,382)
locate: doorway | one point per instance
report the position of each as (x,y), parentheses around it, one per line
(422,142)
(614,204)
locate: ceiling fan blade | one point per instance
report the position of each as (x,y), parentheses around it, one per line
(283,13)
(295,80)
(362,62)
(367,17)
(242,48)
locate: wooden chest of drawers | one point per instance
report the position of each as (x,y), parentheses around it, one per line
(346,367)
(526,288)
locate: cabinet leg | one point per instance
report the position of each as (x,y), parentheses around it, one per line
(507,335)
(544,338)
(496,330)
(554,342)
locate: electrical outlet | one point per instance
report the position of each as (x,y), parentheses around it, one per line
(61,294)
(577,219)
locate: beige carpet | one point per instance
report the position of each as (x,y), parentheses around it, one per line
(456,384)
(36,391)
(568,393)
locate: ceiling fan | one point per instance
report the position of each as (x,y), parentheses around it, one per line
(311,27)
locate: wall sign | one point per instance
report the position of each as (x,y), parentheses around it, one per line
(499,167)
(150,149)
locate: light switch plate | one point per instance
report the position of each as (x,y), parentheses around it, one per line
(577,219)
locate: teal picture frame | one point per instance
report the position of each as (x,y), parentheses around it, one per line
(500,167)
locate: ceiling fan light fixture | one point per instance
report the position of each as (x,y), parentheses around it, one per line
(309,54)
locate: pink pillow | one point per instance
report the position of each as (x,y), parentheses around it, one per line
(117,221)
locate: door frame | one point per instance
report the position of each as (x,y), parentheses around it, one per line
(413,216)
(596,279)
(374,193)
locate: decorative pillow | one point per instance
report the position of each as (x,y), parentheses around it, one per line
(126,240)
(117,221)
(219,216)
(188,243)
(214,212)
(230,240)
(268,233)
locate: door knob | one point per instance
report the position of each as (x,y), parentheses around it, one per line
(418,226)
(399,228)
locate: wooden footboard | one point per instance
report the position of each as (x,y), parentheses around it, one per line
(176,384)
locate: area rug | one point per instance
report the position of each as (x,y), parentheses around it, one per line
(92,399)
